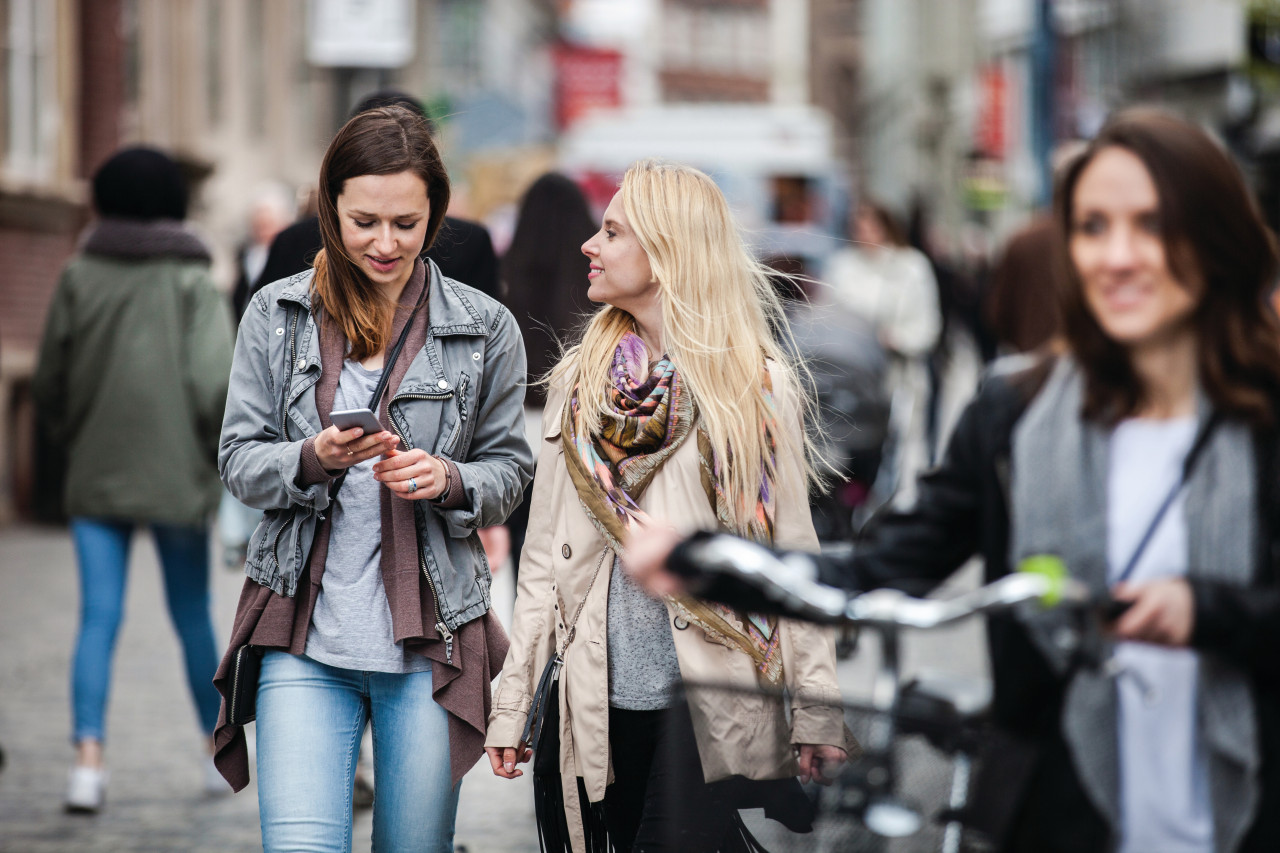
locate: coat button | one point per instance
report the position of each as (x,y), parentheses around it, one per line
(475,356)
(280,332)
(681,623)
(566,551)
(302,364)
(442,385)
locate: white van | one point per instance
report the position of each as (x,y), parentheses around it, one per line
(775,164)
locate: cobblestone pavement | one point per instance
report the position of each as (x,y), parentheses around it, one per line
(155,798)
(155,801)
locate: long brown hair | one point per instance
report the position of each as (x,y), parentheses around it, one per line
(1213,233)
(383,141)
(893,230)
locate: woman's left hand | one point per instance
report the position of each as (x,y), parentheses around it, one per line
(1162,612)
(821,762)
(412,474)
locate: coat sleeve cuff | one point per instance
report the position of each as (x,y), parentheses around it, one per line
(456,495)
(505,728)
(310,471)
(817,716)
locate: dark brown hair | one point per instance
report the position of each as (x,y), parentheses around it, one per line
(893,230)
(383,141)
(545,273)
(1213,234)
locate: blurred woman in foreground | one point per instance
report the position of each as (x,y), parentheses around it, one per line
(1147,457)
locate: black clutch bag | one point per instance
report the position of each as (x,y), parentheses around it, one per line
(242,706)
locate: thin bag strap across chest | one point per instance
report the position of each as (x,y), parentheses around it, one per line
(387,364)
(573,624)
(1188,466)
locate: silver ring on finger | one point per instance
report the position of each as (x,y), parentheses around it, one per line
(413,485)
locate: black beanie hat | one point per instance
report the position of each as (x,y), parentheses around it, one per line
(140,183)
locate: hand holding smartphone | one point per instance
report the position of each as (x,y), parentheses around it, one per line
(375,440)
(351,418)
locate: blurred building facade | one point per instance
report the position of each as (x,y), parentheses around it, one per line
(241,92)
(722,85)
(835,68)
(963,103)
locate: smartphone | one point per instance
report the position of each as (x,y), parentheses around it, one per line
(351,418)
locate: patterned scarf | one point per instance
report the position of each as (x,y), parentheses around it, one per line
(650,415)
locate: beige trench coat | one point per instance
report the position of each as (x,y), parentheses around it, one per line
(737,733)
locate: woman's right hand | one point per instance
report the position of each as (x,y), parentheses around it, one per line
(338,449)
(504,759)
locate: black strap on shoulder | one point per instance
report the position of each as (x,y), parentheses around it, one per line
(1188,465)
(394,353)
(387,364)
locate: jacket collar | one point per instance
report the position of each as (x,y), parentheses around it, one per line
(450,309)
(298,290)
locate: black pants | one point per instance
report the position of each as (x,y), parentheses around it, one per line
(658,800)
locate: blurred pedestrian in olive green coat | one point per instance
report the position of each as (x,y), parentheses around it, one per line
(131,383)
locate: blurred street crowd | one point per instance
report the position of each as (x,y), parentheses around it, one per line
(1046,329)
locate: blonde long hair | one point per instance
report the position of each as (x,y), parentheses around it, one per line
(721,316)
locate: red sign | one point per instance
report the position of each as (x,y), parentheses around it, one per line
(587,79)
(992,113)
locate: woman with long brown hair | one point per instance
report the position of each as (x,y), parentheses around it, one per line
(1145,457)
(368,591)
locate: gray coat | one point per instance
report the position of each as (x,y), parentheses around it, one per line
(462,399)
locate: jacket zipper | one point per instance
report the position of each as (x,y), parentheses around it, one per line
(236,679)
(275,546)
(441,395)
(293,357)
(422,562)
(284,415)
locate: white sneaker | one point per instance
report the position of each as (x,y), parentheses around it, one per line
(213,781)
(86,789)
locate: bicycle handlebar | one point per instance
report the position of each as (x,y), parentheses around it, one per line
(786,584)
(891,608)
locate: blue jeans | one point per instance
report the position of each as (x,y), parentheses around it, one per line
(311,717)
(102,548)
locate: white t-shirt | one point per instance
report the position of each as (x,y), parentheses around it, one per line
(1164,792)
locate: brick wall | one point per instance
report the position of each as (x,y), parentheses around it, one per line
(38,236)
(32,254)
(102,81)
(31,260)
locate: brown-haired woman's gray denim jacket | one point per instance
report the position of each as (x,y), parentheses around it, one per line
(462,399)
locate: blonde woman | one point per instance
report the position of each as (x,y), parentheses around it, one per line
(676,404)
